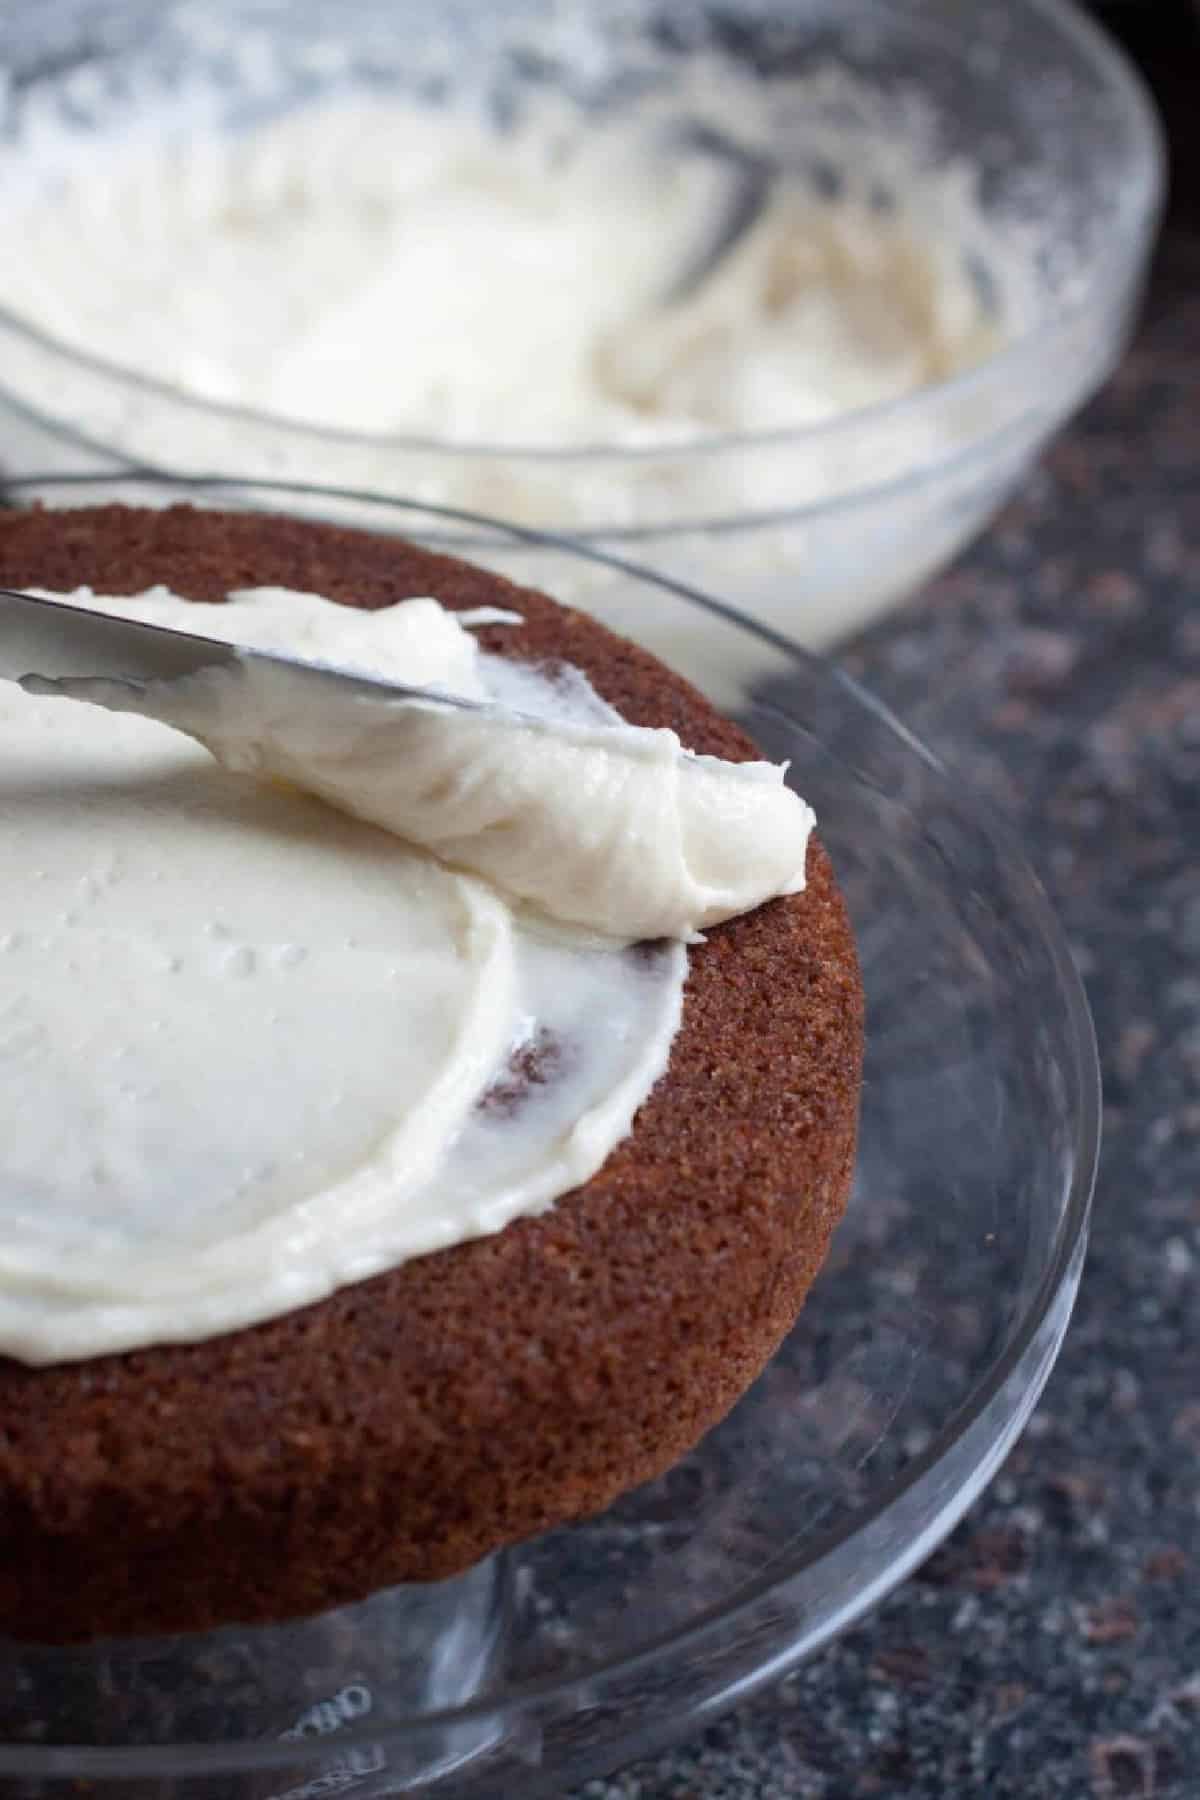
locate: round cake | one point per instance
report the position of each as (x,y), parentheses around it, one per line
(411,1424)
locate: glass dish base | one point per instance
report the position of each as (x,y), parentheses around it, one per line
(915,1363)
(405,1652)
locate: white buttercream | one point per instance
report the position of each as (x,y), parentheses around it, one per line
(377,267)
(244,1038)
(605,826)
(426,287)
(595,822)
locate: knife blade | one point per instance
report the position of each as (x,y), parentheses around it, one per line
(44,642)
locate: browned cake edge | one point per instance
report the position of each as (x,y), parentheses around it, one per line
(419,1420)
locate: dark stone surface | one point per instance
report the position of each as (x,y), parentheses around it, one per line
(1052,1646)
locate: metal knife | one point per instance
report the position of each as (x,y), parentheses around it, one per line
(45,645)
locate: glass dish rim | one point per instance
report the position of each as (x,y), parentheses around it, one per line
(239,1755)
(1133,231)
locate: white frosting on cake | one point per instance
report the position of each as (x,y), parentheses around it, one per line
(247,1042)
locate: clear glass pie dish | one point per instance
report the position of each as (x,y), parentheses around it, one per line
(909,1374)
(814,528)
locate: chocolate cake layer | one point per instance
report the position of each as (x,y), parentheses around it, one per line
(421,1419)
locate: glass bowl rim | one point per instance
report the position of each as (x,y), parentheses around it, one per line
(239,1755)
(1132,233)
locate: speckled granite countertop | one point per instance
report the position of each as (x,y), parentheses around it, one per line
(1052,1646)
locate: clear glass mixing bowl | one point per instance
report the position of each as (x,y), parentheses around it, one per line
(813,530)
(912,1369)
